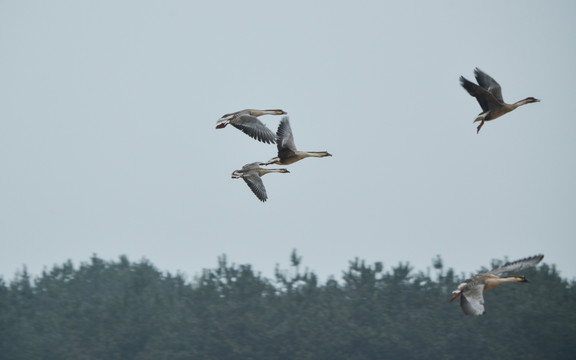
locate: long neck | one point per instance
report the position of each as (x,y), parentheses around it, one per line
(317,153)
(522,102)
(266,112)
(497,281)
(266,171)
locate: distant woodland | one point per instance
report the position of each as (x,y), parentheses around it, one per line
(131,310)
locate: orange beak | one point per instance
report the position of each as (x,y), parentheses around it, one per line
(455,296)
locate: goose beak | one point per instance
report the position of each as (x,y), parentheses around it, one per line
(223,121)
(455,296)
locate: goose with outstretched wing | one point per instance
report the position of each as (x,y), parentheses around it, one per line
(471,291)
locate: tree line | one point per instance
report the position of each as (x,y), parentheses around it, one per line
(131,310)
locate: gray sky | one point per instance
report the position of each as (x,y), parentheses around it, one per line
(108,143)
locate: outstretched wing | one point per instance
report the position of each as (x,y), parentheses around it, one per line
(255,184)
(254,128)
(485,98)
(488,83)
(518,264)
(472,300)
(284,137)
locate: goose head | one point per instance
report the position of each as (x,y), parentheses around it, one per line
(224,120)
(528,100)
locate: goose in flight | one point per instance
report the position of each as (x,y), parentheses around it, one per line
(247,122)
(287,152)
(470,291)
(252,173)
(489,95)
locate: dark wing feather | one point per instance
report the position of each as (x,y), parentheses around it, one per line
(255,184)
(284,137)
(254,128)
(486,100)
(518,264)
(488,83)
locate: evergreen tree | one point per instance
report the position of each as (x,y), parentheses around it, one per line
(130,310)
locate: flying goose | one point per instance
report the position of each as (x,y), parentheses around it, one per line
(470,291)
(251,174)
(287,153)
(489,96)
(247,121)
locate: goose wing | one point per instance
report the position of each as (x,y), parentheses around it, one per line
(284,136)
(518,264)
(255,184)
(285,139)
(488,83)
(251,126)
(472,300)
(251,166)
(485,98)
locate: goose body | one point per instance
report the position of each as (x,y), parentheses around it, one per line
(287,152)
(471,291)
(488,93)
(247,121)
(252,173)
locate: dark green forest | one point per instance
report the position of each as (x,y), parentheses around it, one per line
(131,310)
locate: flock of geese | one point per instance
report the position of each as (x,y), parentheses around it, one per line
(487,92)
(247,121)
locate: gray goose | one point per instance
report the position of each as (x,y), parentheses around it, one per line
(287,152)
(489,95)
(247,122)
(252,173)
(470,291)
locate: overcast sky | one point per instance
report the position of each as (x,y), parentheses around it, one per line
(108,143)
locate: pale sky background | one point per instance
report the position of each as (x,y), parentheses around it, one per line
(108,143)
